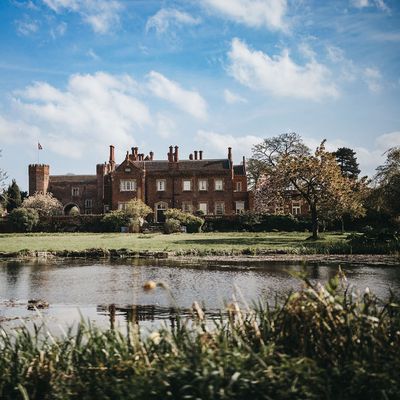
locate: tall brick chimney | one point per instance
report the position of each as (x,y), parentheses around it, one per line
(191,156)
(38,178)
(151,155)
(195,154)
(170,154)
(244,165)
(111,160)
(230,154)
(200,154)
(176,154)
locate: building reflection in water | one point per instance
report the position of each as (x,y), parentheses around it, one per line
(137,313)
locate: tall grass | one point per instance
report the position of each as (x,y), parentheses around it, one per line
(320,343)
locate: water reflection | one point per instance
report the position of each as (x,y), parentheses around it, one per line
(72,285)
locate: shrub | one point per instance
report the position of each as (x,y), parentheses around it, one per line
(172,225)
(113,221)
(44,204)
(136,209)
(193,224)
(23,219)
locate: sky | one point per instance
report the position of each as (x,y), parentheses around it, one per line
(79,75)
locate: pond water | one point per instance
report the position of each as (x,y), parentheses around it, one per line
(111,292)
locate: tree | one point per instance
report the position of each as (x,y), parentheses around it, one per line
(137,210)
(44,204)
(14,199)
(267,153)
(316,177)
(387,181)
(347,160)
(3,177)
(23,219)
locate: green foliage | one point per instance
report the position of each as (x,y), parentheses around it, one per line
(45,204)
(318,343)
(193,224)
(13,196)
(136,209)
(113,221)
(172,225)
(347,161)
(23,219)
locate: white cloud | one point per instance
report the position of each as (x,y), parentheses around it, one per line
(94,111)
(166,18)
(26,28)
(233,98)
(187,100)
(101,15)
(254,13)
(370,3)
(59,30)
(165,125)
(372,78)
(241,146)
(279,75)
(91,53)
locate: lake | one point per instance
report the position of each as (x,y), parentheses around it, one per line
(111,292)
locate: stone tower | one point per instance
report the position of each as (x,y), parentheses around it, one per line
(38,178)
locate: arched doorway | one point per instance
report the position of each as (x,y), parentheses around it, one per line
(159,211)
(71,209)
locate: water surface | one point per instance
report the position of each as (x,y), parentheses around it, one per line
(112,291)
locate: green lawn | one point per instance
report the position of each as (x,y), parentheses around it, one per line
(153,242)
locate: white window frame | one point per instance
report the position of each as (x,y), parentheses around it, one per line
(161,185)
(88,203)
(187,206)
(239,207)
(204,209)
(203,185)
(122,205)
(127,185)
(219,208)
(296,208)
(238,186)
(218,185)
(75,191)
(186,185)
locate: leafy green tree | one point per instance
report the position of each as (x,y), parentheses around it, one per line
(23,219)
(347,160)
(14,199)
(316,177)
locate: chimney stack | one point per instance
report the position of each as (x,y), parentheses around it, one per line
(230,154)
(151,156)
(200,154)
(190,156)
(244,165)
(176,156)
(170,154)
(195,154)
(112,156)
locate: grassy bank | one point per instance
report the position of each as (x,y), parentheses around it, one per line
(180,243)
(318,344)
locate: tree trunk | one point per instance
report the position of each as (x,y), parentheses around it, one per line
(342,221)
(315,223)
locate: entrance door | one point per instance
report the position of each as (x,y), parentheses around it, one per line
(160,212)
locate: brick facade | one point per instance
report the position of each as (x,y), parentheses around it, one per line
(216,186)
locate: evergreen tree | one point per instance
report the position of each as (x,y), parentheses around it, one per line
(347,160)
(14,199)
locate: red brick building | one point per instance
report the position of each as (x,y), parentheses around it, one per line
(214,186)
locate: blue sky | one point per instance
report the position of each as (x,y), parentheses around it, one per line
(78,75)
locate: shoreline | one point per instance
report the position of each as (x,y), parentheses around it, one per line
(268,256)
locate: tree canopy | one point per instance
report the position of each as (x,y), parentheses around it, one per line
(14,199)
(289,166)
(387,180)
(44,204)
(347,160)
